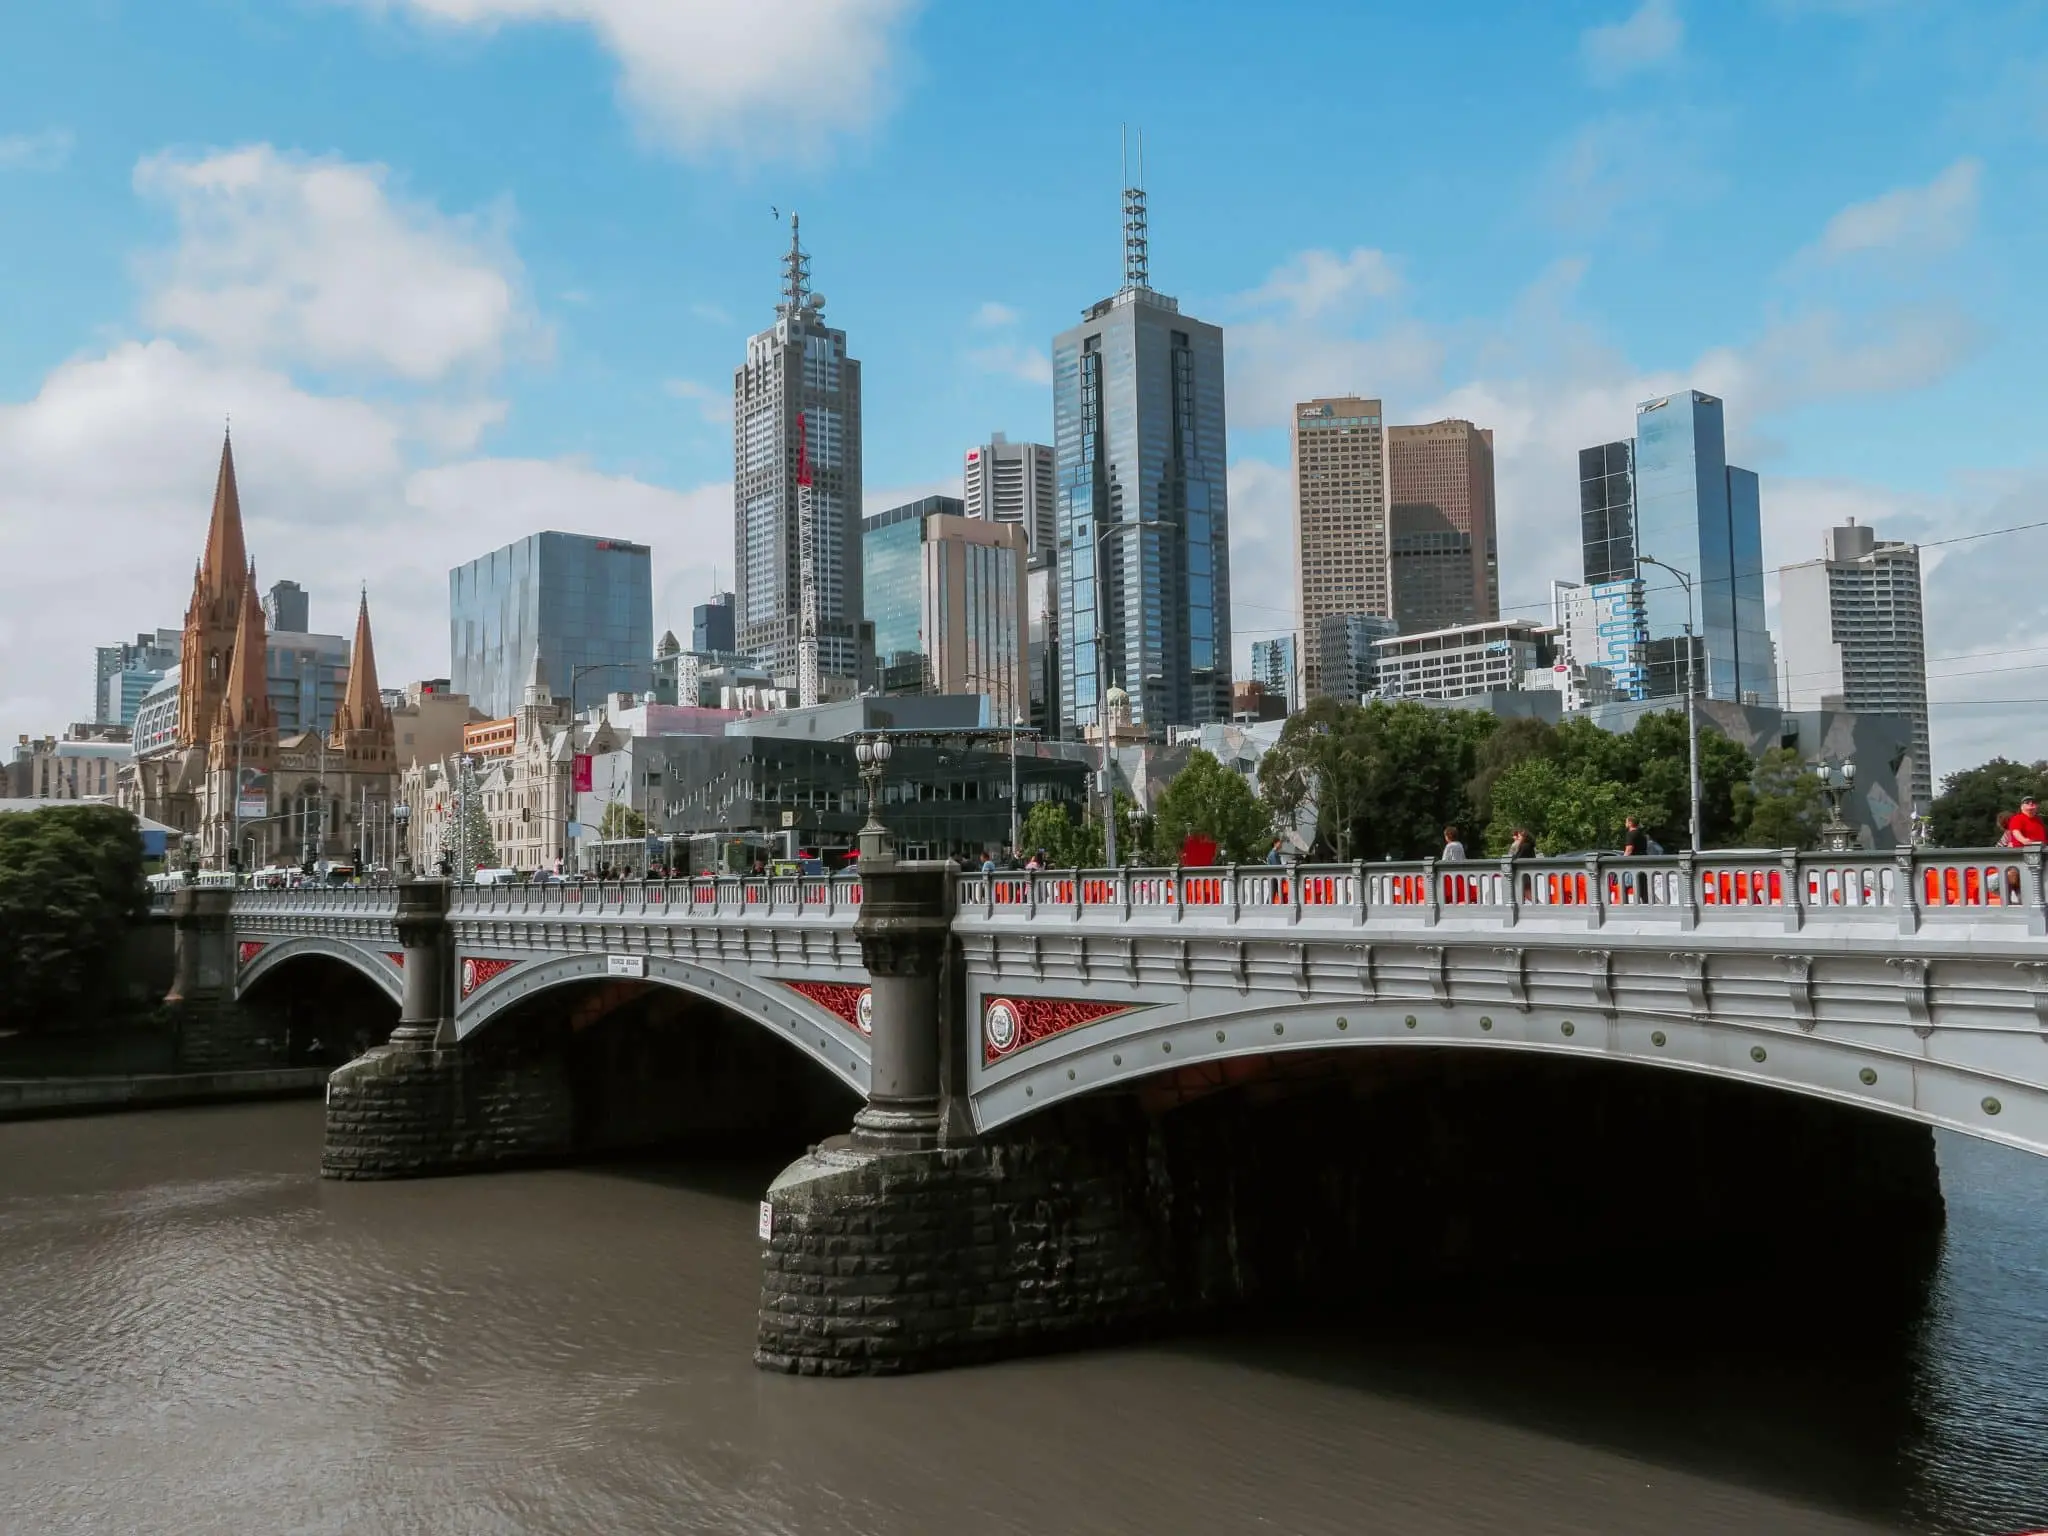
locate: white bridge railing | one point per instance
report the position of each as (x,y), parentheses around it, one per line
(709,896)
(1999,885)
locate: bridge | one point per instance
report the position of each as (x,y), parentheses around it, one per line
(1031,1043)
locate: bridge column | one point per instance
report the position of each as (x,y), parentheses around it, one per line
(427,1104)
(214,1032)
(905,929)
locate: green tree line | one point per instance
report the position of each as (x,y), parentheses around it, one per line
(70,885)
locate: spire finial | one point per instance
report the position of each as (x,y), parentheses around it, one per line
(1137,256)
(796,274)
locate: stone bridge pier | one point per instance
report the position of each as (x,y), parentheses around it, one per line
(1328,1179)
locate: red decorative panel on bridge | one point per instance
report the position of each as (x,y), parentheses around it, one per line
(248,950)
(396,957)
(1011,1023)
(850,1001)
(476,970)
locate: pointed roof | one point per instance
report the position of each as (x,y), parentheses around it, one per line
(362,699)
(226,556)
(537,679)
(246,700)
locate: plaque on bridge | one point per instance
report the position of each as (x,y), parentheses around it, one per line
(625,965)
(767,1223)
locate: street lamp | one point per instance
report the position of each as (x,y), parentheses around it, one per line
(401,819)
(1016,826)
(872,753)
(1836,780)
(1692,720)
(576,675)
(1103,532)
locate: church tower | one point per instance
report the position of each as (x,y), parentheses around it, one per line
(219,587)
(245,722)
(362,725)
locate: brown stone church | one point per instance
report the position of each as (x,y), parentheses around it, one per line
(249,794)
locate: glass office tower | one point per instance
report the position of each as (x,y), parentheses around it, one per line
(1674,497)
(1139,443)
(581,602)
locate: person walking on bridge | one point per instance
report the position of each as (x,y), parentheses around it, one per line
(2025,828)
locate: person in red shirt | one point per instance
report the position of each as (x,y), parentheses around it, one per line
(2026,829)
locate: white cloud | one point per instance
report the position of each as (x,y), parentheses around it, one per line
(1640,161)
(1315,284)
(1825,355)
(1298,338)
(1263,600)
(294,260)
(994,316)
(724,75)
(44,151)
(714,406)
(1651,35)
(1936,217)
(1030,365)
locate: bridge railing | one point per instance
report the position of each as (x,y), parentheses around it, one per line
(792,896)
(1976,885)
(315,900)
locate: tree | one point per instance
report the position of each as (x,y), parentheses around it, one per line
(482,848)
(1051,832)
(1384,779)
(1965,814)
(620,820)
(1213,801)
(1568,808)
(1781,802)
(70,884)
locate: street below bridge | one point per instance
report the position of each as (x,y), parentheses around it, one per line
(201,1333)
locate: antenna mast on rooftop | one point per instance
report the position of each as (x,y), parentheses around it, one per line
(1137,257)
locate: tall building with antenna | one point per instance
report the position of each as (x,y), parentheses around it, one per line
(1142,511)
(796,406)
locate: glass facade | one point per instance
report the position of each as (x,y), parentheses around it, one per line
(1138,424)
(1607,511)
(582,602)
(307,675)
(1689,508)
(711,626)
(892,579)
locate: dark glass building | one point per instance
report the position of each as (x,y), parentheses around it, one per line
(1607,512)
(586,604)
(711,626)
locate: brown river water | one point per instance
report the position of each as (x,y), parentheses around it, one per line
(198,1334)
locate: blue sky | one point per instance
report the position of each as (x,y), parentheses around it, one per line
(464,268)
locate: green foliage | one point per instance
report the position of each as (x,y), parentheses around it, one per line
(1207,798)
(1965,814)
(1384,779)
(1781,803)
(1567,806)
(483,847)
(1051,831)
(621,820)
(70,883)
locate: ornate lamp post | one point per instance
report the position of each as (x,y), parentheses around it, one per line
(401,818)
(1836,780)
(1692,711)
(872,753)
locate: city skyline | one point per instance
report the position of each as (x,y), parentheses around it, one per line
(1847,318)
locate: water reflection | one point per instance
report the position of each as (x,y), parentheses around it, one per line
(200,1334)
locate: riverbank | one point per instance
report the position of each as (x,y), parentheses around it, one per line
(36,1098)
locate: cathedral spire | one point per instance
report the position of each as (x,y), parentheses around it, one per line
(226,556)
(245,704)
(362,725)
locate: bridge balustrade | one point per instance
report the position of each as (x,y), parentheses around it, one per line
(797,896)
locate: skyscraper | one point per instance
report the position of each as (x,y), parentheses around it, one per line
(711,627)
(1695,511)
(1340,524)
(1443,549)
(1852,628)
(798,383)
(1273,669)
(585,605)
(951,612)
(1144,527)
(1010,482)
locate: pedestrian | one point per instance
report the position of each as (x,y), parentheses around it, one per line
(1454,850)
(1273,854)
(1521,845)
(1036,862)
(1634,840)
(988,862)
(2026,829)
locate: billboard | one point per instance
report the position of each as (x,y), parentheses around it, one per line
(252,795)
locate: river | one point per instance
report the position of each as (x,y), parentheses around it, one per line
(198,1334)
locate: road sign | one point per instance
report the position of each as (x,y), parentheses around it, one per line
(625,965)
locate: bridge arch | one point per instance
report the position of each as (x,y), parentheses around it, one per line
(274,955)
(1881,1071)
(774,1007)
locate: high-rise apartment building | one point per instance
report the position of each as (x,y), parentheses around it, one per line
(1854,638)
(287,606)
(1010,482)
(584,605)
(951,603)
(1347,645)
(1443,547)
(711,624)
(796,404)
(1274,668)
(1340,522)
(1144,526)
(124,674)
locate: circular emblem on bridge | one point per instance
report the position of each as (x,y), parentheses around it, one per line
(864,1011)
(999,1024)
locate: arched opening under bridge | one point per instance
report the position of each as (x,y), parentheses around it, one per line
(318,1009)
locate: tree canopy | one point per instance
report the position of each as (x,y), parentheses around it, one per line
(1965,814)
(70,883)
(1209,800)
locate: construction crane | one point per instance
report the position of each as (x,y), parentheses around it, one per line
(807,573)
